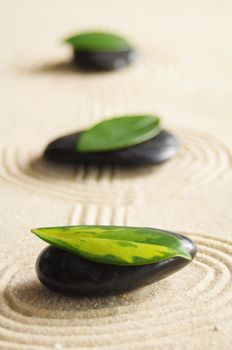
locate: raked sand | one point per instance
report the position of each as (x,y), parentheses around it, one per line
(185,75)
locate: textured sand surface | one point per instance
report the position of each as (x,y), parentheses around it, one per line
(185,75)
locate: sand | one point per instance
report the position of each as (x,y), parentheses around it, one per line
(184,75)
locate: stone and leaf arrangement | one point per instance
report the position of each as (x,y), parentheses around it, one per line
(107,260)
(104,260)
(101,51)
(134,140)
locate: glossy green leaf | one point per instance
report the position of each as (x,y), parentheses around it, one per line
(118,133)
(116,245)
(98,42)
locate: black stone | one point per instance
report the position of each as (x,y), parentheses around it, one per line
(69,274)
(154,151)
(103,61)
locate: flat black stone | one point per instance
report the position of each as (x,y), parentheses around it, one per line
(157,150)
(103,61)
(69,274)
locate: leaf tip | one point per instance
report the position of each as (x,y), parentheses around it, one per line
(188,256)
(36,231)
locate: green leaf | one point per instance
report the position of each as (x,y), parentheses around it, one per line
(116,245)
(98,42)
(118,133)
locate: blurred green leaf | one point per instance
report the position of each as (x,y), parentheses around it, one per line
(98,42)
(118,133)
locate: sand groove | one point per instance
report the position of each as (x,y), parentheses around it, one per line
(28,308)
(202,160)
(99,215)
(87,184)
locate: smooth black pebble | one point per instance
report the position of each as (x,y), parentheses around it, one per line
(154,151)
(69,274)
(103,61)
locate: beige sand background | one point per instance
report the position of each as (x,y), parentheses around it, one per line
(185,75)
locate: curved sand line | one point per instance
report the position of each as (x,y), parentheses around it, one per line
(18,312)
(202,160)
